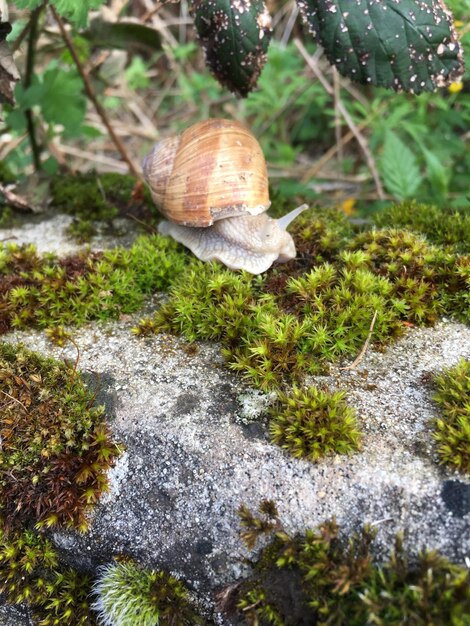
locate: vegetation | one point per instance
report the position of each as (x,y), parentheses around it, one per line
(31,573)
(294,320)
(56,448)
(313,423)
(321,577)
(44,291)
(128,595)
(418,147)
(452,427)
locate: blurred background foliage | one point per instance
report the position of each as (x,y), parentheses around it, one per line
(148,72)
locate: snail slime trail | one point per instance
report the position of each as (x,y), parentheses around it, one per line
(211,184)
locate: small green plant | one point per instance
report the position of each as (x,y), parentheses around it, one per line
(321,577)
(312,423)
(56,448)
(440,225)
(44,291)
(128,595)
(30,573)
(452,428)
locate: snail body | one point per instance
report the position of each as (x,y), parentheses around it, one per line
(211,184)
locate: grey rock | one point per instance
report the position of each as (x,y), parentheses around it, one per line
(190,461)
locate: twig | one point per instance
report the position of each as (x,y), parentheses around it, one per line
(89,156)
(92,96)
(347,118)
(15,399)
(29,71)
(361,354)
(337,100)
(13,199)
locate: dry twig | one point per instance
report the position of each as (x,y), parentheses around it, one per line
(92,96)
(361,354)
(347,118)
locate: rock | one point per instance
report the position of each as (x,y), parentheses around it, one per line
(189,461)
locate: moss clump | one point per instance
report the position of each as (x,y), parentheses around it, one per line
(43,291)
(91,197)
(320,234)
(452,428)
(312,423)
(97,196)
(321,578)
(55,447)
(440,225)
(128,595)
(276,328)
(429,280)
(30,572)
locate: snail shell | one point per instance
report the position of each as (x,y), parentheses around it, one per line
(213,170)
(211,183)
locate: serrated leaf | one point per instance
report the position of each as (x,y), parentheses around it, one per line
(399,169)
(235,36)
(407,45)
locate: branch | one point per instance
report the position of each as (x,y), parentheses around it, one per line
(29,71)
(92,96)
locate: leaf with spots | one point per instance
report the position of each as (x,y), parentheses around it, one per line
(407,45)
(235,36)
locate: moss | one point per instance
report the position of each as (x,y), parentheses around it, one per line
(429,280)
(441,225)
(312,423)
(320,577)
(43,291)
(452,428)
(31,573)
(128,595)
(91,197)
(56,448)
(96,196)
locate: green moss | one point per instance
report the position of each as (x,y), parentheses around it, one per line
(429,280)
(56,448)
(6,175)
(312,423)
(128,595)
(452,428)
(320,578)
(441,225)
(94,196)
(276,328)
(91,197)
(43,291)
(31,573)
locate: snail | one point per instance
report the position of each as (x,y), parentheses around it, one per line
(211,184)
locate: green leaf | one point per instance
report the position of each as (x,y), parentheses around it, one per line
(74,10)
(122,35)
(61,99)
(399,169)
(407,45)
(235,36)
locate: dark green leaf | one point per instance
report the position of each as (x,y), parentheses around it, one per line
(235,36)
(122,35)
(402,44)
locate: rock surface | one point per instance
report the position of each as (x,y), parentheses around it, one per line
(195,448)
(188,462)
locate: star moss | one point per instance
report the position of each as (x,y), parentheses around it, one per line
(56,448)
(322,577)
(452,427)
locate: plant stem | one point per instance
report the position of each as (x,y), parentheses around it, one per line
(30,55)
(92,96)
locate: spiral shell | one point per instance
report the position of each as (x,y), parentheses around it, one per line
(213,170)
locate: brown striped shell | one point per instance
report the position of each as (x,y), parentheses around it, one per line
(213,170)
